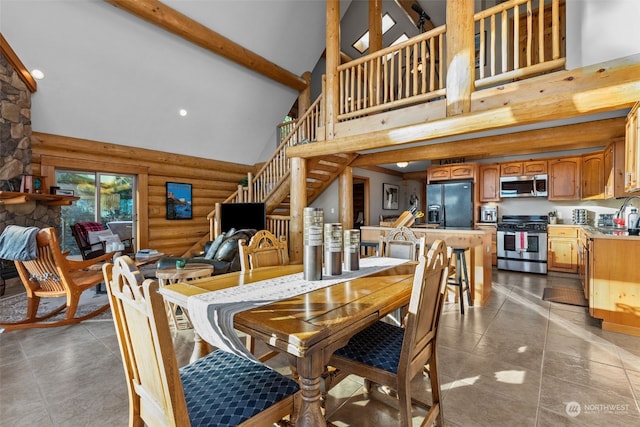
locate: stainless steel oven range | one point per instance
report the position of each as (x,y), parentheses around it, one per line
(522,243)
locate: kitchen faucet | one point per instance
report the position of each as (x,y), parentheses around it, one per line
(620,213)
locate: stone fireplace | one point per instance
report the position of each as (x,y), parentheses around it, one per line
(15,151)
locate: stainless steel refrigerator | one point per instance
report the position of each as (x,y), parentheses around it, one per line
(450,204)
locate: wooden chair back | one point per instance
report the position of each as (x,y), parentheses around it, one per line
(372,354)
(52,275)
(80,232)
(425,306)
(263,250)
(151,368)
(401,242)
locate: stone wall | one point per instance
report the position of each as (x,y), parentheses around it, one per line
(15,152)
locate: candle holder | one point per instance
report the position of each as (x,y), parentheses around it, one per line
(312,236)
(333,249)
(351,250)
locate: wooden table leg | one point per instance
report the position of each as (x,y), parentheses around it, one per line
(200,348)
(310,371)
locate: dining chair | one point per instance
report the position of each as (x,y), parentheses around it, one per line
(263,250)
(400,242)
(220,389)
(52,275)
(391,356)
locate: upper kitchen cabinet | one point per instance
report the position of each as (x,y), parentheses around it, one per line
(531,167)
(564,178)
(613,161)
(593,176)
(489,182)
(632,154)
(453,171)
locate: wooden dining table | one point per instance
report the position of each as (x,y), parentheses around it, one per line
(309,327)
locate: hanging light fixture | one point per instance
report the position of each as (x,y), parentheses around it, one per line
(402,164)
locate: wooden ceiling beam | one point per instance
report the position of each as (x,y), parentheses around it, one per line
(577,136)
(562,95)
(413,10)
(181,25)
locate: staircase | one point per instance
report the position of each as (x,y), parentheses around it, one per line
(272,183)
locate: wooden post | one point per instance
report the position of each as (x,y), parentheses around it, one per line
(304,97)
(375,25)
(345,201)
(332,94)
(375,42)
(460,56)
(217,223)
(298,203)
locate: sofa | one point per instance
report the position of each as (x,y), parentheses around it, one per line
(223,252)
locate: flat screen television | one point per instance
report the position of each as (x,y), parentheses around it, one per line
(243,215)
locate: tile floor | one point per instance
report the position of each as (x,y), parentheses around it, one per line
(518,361)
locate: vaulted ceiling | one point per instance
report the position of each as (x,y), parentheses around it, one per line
(112,77)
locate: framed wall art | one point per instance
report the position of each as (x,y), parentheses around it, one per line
(179,201)
(390,196)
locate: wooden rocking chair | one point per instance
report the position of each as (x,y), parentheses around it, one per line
(51,275)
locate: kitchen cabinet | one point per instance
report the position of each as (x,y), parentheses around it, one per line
(489,182)
(592,176)
(564,178)
(584,242)
(562,254)
(453,171)
(493,228)
(632,151)
(613,161)
(530,167)
(614,282)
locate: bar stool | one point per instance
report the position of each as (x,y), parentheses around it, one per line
(459,277)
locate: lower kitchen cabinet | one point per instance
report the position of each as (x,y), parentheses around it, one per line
(494,240)
(614,283)
(562,252)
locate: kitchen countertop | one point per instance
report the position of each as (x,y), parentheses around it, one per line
(616,233)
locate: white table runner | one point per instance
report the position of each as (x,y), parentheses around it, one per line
(212,313)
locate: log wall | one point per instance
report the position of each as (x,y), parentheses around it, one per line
(212,181)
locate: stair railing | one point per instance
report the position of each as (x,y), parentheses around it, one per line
(275,170)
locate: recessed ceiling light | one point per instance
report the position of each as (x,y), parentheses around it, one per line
(37,74)
(182,112)
(402,164)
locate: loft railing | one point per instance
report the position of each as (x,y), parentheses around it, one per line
(414,71)
(509,48)
(399,75)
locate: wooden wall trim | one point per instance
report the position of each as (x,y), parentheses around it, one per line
(17,65)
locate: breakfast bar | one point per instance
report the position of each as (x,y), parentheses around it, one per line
(478,243)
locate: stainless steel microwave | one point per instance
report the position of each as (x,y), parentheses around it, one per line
(523,186)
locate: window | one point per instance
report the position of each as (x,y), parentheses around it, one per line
(401,39)
(112,200)
(363,42)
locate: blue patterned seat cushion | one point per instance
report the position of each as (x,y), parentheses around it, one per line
(223,389)
(379,346)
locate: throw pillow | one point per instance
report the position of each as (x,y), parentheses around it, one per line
(213,248)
